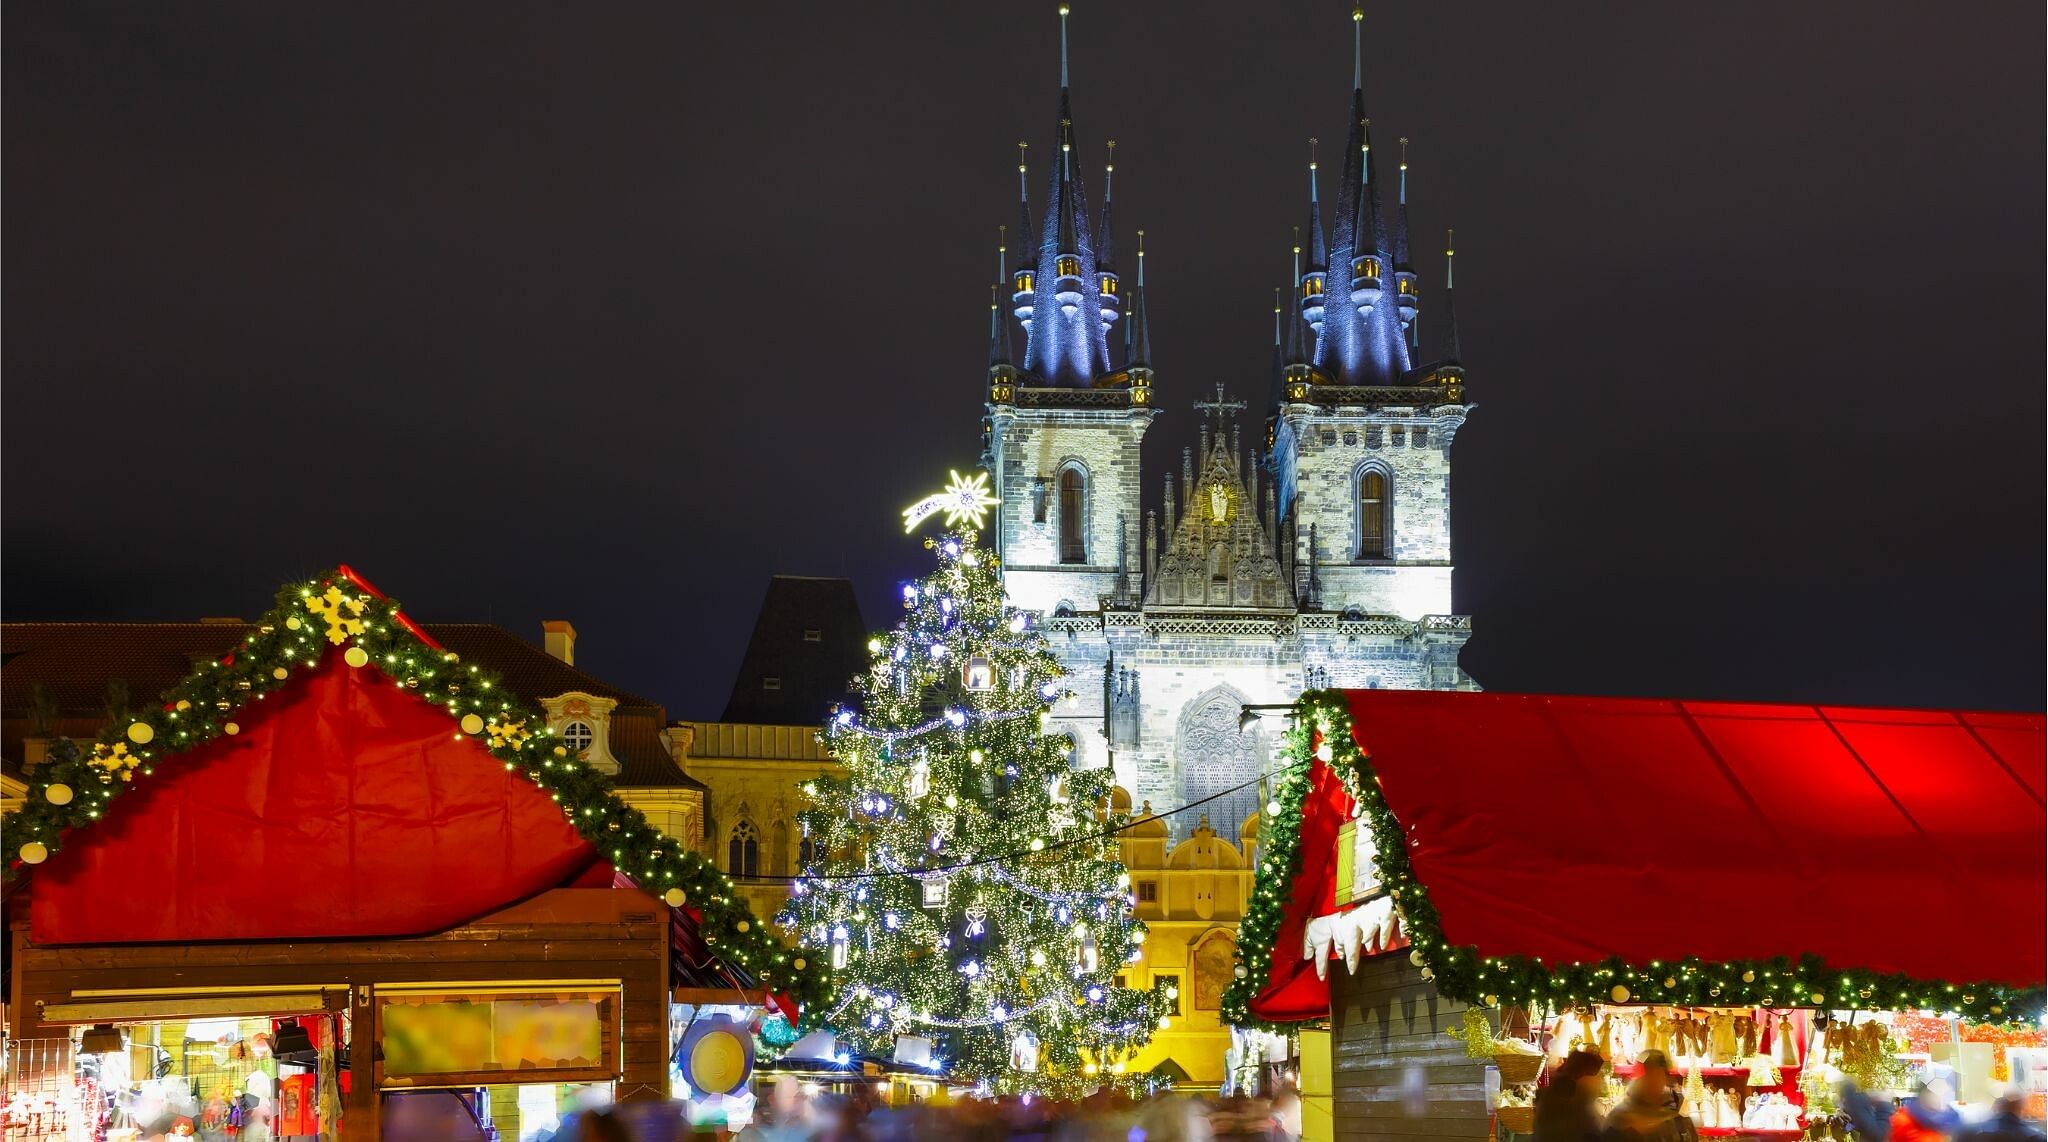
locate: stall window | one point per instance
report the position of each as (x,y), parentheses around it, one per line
(743,851)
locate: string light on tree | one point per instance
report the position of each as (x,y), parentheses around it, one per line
(964,889)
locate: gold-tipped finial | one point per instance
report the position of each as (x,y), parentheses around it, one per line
(1276,301)
(1450,243)
(1404,152)
(1021,147)
(1297,241)
(1002,239)
(1141,243)
(1111,168)
(1358,14)
(1064,9)
(1311,152)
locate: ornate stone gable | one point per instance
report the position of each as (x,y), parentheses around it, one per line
(1219,555)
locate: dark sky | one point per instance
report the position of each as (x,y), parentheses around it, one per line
(609,312)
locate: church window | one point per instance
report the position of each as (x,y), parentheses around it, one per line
(1109,285)
(813,634)
(1068,266)
(1024,283)
(1418,437)
(578,736)
(1311,287)
(1397,436)
(1148,892)
(743,851)
(1073,506)
(1407,285)
(771,682)
(1372,515)
(806,853)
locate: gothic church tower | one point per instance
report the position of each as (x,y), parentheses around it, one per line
(1064,429)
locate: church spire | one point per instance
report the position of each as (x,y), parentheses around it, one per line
(1452,354)
(1406,296)
(1068,346)
(1108,286)
(1312,273)
(1138,334)
(1023,283)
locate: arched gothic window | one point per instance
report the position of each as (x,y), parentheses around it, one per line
(743,851)
(1375,515)
(1073,515)
(1217,758)
(806,853)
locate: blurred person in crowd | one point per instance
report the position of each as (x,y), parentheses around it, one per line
(782,1117)
(1173,1118)
(1285,1117)
(1869,1117)
(1650,1111)
(1930,1115)
(1566,1107)
(600,1126)
(2008,1122)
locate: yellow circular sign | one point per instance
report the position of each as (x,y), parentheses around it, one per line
(718,1062)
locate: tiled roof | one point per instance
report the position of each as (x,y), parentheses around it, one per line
(808,643)
(74,661)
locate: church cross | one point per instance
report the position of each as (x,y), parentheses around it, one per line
(1219,406)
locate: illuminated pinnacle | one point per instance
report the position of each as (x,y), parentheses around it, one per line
(1063,45)
(1358,48)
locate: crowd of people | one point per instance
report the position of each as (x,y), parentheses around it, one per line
(788,1114)
(1568,1109)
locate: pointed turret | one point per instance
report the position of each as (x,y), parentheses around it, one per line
(1368,263)
(1452,354)
(1108,286)
(1138,338)
(1068,346)
(1024,287)
(1318,256)
(1405,295)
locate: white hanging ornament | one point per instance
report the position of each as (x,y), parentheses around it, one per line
(1091,955)
(920,779)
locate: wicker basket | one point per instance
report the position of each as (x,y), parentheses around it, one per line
(1517,1119)
(1518,1069)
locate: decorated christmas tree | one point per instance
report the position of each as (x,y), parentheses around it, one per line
(966,888)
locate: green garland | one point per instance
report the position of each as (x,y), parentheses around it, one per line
(1322,727)
(74,789)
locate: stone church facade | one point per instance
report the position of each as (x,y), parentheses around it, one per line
(1319,556)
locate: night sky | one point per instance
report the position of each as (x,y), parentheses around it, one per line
(610,312)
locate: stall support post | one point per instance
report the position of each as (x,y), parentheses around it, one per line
(360,1122)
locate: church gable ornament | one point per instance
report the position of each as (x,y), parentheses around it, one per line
(1218,554)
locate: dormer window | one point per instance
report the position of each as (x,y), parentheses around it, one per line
(1024,283)
(1312,287)
(1109,285)
(1368,267)
(1067,266)
(1407,286)
(578,736)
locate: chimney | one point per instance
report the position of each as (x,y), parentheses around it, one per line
(558,638)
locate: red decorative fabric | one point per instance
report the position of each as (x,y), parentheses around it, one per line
(1292,991)
(1582,828)
(346,807)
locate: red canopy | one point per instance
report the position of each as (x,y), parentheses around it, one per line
(1576,829)
(345,807)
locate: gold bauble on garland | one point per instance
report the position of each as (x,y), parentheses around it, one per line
(356,656)
(231,728)
(141,733)
(472,724)
(1619,994)
(34,852)
(674,897)
(58,794)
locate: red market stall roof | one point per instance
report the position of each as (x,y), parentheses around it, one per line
(341,775)
(1906,843)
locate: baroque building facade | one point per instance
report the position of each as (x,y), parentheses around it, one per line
(1317,556)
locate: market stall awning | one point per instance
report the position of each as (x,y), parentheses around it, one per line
(343,807)
(1572,830)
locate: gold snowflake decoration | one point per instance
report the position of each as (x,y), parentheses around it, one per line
(512,734)
(344,614)
(116,759)
(965,501)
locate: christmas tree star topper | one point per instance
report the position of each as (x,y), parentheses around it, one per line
(965,501)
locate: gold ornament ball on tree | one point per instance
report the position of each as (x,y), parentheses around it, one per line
(293,623)
(743,925)
(675,897)
(231,729)
(58,794)
(356,656)
(1619,994)
(800,964)
(1749,977)
(280,674)
(472,724)
(141,733)
(34,852)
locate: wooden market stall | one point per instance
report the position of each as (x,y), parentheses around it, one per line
(339,865)
(1737,885)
